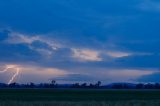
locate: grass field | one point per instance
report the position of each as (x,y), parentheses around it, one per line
(72,97)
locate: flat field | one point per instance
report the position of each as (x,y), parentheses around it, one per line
(78,97)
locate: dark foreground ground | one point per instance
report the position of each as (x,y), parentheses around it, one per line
(73,97)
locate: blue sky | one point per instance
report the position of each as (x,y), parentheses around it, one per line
(80,40)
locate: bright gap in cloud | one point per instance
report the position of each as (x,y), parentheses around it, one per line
(86,55)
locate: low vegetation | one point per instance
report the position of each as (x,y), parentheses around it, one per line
(82,103)
(78,97)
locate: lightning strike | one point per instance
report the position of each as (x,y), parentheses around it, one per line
(15,75)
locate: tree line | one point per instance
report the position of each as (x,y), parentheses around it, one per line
(97,85)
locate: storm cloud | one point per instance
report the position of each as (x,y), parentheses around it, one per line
(82,38)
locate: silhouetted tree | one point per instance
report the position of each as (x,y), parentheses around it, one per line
(53,82)
(2,85)
(139,86)
(91,85)
(76,85)
(125,86)
(32,85)
(14,85)
(157,86)
(149,86)
(84,85)
(98,84)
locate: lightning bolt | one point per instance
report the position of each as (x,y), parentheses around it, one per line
(15,75)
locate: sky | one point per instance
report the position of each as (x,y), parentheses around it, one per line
(79,41)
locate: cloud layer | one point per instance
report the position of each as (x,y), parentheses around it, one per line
(91,40)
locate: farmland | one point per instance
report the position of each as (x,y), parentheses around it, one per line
(78,97)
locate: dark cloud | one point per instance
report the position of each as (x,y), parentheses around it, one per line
(148,61)
(17,53)
(150,78)
(101,26)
